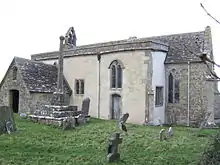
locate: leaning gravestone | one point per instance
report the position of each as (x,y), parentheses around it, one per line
(122,121)
(124,118)
(113,154)
(6,120)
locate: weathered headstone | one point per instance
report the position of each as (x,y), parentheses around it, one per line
(85,106)
(122,121)
(9,127)
(162,135)
(113,154)
(124,118)
(68,123)
(170,131)
(6,115)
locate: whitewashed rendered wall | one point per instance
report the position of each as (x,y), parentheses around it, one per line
(158,80)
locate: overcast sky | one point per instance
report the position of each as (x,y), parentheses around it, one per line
(34,26)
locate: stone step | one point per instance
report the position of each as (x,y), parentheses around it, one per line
(61,108)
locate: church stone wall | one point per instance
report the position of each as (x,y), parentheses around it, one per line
(200,93)
(18,84)
(133,90)
(217,106)
(39,99)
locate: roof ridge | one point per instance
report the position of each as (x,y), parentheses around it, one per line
(136,39)
(33,61)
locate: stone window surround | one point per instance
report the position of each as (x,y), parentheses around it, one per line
(175,81)
(159,90)
(117,64)
(79,86)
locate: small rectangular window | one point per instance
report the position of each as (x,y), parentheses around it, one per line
(159,96)
(79,86)
(76,86)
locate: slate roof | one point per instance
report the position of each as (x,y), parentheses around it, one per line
(176,49)
(177,52)
(38,76)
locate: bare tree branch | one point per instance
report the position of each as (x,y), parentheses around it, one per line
(205,59)
(209,14)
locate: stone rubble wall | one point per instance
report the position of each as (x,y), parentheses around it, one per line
(198,93)
(28,101)
(18,84)
(217,106)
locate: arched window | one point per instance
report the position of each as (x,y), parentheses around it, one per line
(113,76)
(173,89)
(116,74)
(119,76)
(170,88)
(14,73)
(77,86)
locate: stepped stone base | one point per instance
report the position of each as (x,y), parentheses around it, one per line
(59,116)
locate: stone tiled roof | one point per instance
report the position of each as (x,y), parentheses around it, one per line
(39,77)
(177,52)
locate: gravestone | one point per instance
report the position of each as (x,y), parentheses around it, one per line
(162,135)
(113,154)
(170,131)
(84,116)
(85,106)
(122,121)
(124,118)
(9,127)
(68,123)
(6,115)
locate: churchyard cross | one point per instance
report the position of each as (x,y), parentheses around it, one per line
(113,154)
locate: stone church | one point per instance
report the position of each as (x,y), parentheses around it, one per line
(153,79)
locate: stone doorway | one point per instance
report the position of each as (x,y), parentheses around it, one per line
(14,100)
(115,106)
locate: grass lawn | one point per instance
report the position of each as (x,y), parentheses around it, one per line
(37,144)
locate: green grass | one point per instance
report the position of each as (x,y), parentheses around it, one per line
(37,144)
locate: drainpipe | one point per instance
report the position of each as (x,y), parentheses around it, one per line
(188,121)
(146,116)
(99,82)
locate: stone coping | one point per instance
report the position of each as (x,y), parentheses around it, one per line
(47,117)
(50,117)
(61,108)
